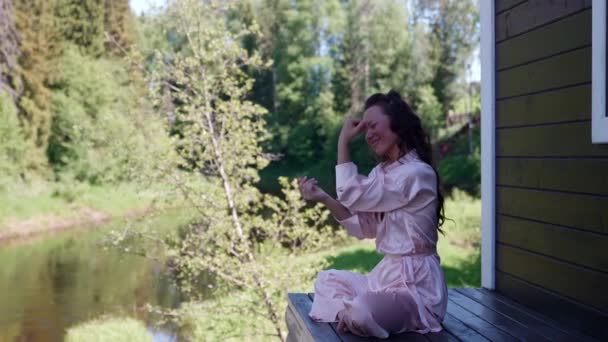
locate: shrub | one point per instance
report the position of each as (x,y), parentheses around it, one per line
(109,330)
(13,146)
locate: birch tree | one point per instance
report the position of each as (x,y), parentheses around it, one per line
(242,238)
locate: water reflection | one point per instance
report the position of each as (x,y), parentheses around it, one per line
(54,283)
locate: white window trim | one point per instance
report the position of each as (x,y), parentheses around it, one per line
(488,148)
(599,120)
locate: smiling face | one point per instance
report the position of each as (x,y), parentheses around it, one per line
(379,136)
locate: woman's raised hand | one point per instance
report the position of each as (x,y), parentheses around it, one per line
(351,128)
(309,189)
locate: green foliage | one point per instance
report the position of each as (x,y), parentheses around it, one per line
(97,27)
(214,320)
(351,54)
(461,168)
(460,260)
(119,24)
(398,58)
(13,146)
(42,203)
(454,28)
(97,134)
(459,248)
(39,45)
(327,58)
(43,82)
(112,329)
(204,260)
(294,225)
(470,102)
(8,46)
(463,171)
(81,22)
(302,115)
(242,238)
(324,58)
(223,317)
(430,112)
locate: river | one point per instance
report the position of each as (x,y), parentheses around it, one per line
(57,281)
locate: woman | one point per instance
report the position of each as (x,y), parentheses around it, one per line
(401,206)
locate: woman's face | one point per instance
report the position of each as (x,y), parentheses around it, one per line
(378,134)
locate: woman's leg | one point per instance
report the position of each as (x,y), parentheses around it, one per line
(332,288)
(379,313)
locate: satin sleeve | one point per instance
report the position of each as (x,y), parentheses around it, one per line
(379,193)
(368,194)
(362,225)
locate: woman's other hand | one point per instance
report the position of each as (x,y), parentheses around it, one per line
(351,128)
(309,189)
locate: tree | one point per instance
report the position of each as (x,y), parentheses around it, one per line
(82,23)
(454,26)
(13,147)
(118,23)
(392,62)
(97,133)
(304,112)
(430,112)
(9,48)
(271,15)
(220,140)
(99,27)
(39,46)
(297,89)
(381,48)
(352,54)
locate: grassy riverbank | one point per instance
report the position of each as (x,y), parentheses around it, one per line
(33,209)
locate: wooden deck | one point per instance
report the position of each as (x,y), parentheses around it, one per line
(473,315)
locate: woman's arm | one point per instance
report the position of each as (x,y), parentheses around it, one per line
(359,225)
(339,211)
(343,151)
(350,129)
(312,192)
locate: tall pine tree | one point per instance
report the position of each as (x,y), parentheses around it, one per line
(119,26)
(39,46)
(81,22)
(454,26)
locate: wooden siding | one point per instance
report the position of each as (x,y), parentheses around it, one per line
(532,14)
(505,5)
(551,181)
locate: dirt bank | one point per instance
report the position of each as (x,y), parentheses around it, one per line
(80,217)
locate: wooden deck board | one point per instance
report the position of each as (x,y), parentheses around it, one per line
(462,331)
(573,335)
(518,314)
(472,315)
(304,329)
(473,321)
(497,319)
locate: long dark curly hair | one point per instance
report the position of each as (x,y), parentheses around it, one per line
(406,124)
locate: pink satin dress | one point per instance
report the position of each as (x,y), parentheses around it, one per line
(406,291)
